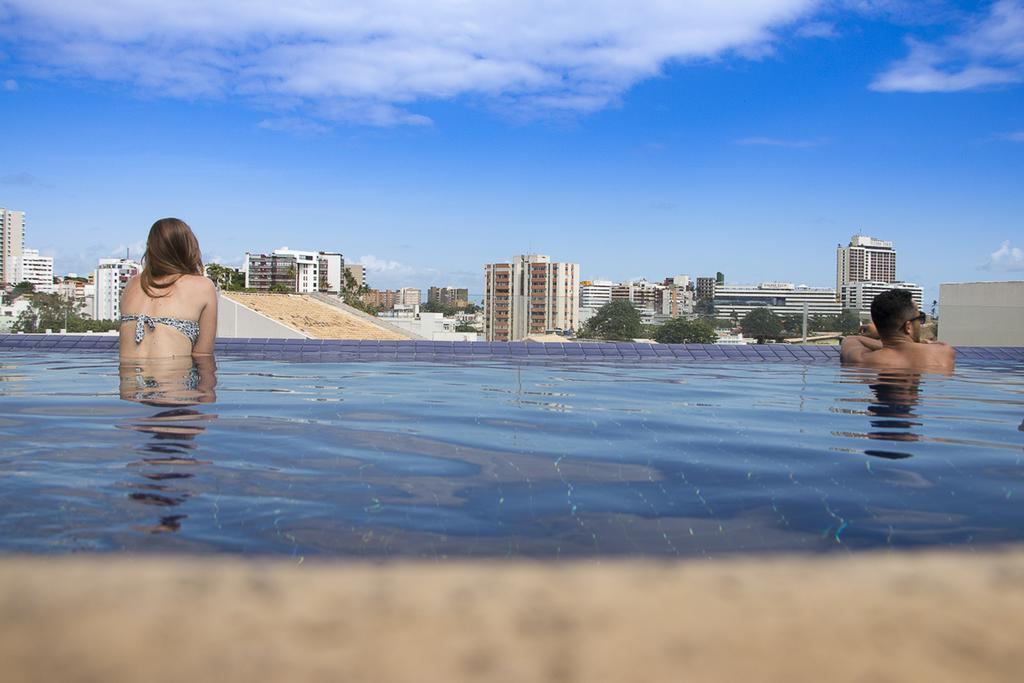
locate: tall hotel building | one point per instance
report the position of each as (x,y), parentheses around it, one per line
(866,268)
(12,242)
(530,295)
(864,259)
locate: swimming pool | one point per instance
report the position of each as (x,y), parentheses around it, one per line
(504,457)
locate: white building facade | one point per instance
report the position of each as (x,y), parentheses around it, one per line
(307,269)
(31,267)
(12,242)
(409,296)
(593,295)
(783,298)
(331,267)
(112,276)
(857,296)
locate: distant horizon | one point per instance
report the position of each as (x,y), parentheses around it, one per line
(423,142)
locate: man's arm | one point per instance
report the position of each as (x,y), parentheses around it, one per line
(853,348)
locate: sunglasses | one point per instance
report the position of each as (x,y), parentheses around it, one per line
(921,317)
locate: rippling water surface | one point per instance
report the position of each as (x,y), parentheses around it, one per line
(493,459)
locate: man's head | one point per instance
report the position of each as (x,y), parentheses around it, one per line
(894,313)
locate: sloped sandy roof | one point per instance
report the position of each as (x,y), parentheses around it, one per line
(312,317)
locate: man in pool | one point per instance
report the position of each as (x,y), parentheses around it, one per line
(898,322)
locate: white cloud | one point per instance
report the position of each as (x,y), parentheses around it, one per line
(372,264)
(10,85)
(388,274)
(373,60)
(293,124)
(1006,258)
(817,29)
(1016,136)
(988,52)
(779,142)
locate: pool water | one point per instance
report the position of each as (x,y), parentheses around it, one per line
(501,458)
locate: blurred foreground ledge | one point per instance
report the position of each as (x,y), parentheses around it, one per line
(872,617)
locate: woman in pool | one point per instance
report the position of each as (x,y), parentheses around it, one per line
(171,308)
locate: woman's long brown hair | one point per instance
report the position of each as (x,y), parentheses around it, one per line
(171,249)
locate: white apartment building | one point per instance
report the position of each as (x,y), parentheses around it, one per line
(31,267)
(864,259)
(307,269)
(530,295)
(409,296)
(112,274)
(857,296)
(593,295)
(331,266)
(783,298)
(12,242)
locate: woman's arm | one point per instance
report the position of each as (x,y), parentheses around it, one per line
(207,320)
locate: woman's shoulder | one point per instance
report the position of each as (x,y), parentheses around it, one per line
(197,283)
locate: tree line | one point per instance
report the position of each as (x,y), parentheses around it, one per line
(620,321)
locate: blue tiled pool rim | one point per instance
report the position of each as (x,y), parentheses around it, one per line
(336,350)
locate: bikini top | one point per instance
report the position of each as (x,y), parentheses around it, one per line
(189,328)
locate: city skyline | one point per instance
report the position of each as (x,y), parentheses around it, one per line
(748,138)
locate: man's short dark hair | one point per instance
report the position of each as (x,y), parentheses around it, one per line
(892,308)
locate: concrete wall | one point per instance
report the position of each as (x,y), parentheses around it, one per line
(235,320)
(982,313)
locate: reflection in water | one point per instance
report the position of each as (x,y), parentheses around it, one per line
(175,384)
(897,394)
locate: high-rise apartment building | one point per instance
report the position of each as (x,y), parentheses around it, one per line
(705,288)
(409,296)
(112,274)
(31,267)
(12,242)
(644,295)
(263,271)
(530,295)
(331,267)
(864,259)
(676,296)
(448,296)
(381,299)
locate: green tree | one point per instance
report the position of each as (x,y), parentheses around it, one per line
(705,308)
(51,312)
(438,307)
(465,327)
(683,331)
(847,322)
(793,324)
(226,278)
(762,324)
(22,288)
(618,320)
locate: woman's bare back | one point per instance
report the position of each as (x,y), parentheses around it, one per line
(190,298)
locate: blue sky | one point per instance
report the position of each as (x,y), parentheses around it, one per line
(639,139)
